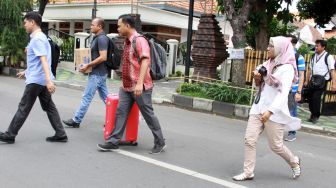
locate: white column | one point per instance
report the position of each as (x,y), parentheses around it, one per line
(57,26)
(86,26)
(72,27)
(172,56)
(184,35)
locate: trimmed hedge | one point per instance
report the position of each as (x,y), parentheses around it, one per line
(223,92)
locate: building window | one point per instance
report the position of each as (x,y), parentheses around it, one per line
(65,27)
(78,27)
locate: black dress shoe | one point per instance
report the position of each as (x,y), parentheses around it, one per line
(57,139)
(4,137)
(314,120)
(71,123)
(107,146)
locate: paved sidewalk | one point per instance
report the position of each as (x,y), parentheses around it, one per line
(164,90)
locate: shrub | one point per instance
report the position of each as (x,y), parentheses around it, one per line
(223,92)
(331,45)
(13,43)
(67,49)
(178,73)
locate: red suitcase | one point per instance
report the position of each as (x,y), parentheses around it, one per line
(131,133)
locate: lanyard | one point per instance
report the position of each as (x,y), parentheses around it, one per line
(317,60)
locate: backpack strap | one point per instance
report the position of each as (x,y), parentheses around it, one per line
(297,55)
(134,47)
(326,62)
(312,63)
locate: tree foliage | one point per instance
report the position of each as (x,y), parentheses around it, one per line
(237,13)
(11,12)
(13,37)
(265,19)
(331,45)
(320,10)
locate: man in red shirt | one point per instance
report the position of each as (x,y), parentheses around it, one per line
(136,87)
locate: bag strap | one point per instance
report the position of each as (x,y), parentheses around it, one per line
(297,56)
(134,46)
(326,62)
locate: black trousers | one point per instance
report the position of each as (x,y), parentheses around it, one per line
(314,101)
(32,91)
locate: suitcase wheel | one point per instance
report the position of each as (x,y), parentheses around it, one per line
(134,143)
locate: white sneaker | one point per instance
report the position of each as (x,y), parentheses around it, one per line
(297,170)
(243,177)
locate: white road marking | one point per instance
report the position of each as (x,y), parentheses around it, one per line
(180,169)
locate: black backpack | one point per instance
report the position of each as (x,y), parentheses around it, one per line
(113,55)
(55,55)
(158,58)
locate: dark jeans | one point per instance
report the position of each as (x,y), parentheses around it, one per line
(32,91)
(144,102)
(314,101)
(292,105)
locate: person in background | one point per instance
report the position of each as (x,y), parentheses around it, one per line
(97,78)
(321,64)
(295,94)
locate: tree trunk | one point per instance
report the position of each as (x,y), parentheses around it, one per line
(238,20)
(262,36)
(42,5)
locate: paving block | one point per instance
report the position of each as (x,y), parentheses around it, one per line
(242,111)
(184,101)
(202,104)
(223,108)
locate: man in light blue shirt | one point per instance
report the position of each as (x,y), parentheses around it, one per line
(38,83)
(295,94)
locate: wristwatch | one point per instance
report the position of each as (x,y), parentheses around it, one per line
(298,92)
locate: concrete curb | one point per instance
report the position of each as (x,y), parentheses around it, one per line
(70,86)
(317,129)
(212,106)
(236,111)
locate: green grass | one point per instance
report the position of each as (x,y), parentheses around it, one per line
(223,92)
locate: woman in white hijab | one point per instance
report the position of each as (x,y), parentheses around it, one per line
(270,112)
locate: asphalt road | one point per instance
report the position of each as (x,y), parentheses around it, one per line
(209,146)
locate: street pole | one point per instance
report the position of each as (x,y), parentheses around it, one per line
(94,10)
(189,37)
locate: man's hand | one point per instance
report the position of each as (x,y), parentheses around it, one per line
(21,75)
(51,87)
(265,116)
(138,89)
(297,97)
(84,68)
(306,83)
